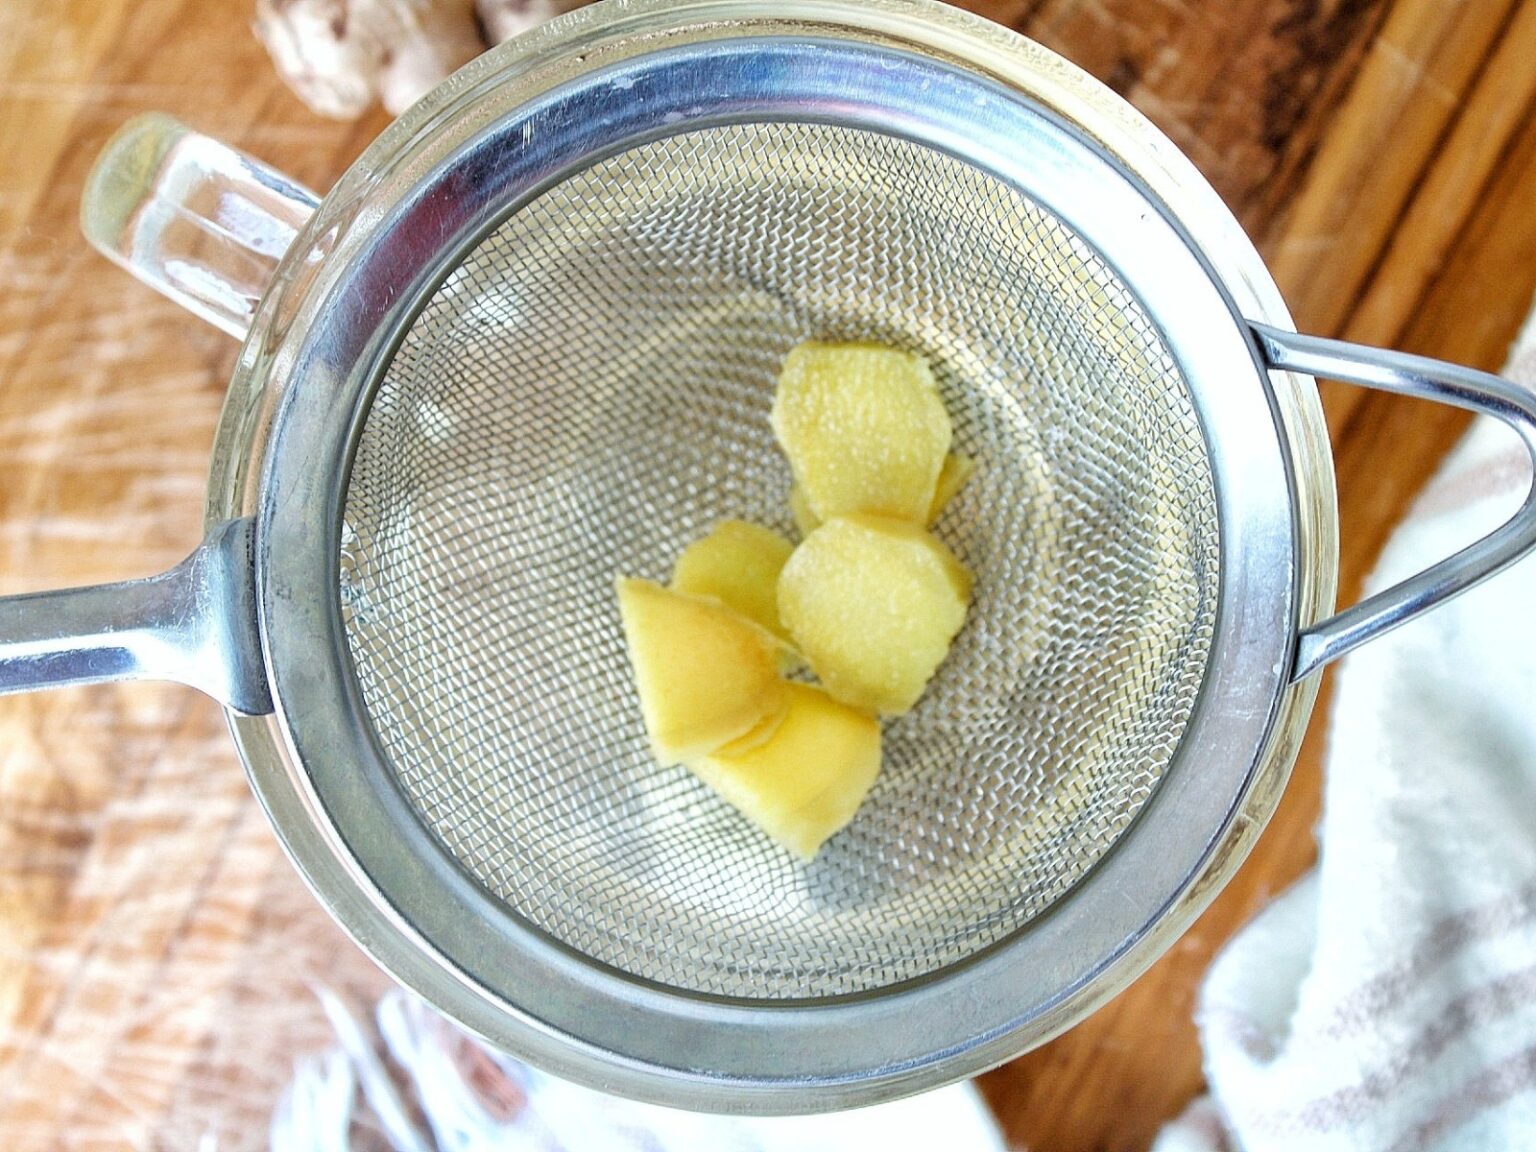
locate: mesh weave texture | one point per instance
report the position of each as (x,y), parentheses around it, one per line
(589,392)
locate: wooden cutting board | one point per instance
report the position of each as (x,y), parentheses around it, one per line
(154,945)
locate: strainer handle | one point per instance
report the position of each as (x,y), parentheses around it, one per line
(1481,392)
(194,625)
(192,218)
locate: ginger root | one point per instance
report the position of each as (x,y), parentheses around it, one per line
(339,56)
(504,19)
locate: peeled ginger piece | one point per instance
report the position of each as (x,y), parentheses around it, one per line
(806,520)
(958,468)
(706,676)
(808,780)
(758,735)
(952,477)
(738,564)
(873,603)
(864,429)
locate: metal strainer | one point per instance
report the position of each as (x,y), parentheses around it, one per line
(537,432)
(530,343)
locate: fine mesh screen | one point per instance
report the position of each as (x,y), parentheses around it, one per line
(589,392)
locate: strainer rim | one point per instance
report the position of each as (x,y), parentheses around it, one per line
(672,1085)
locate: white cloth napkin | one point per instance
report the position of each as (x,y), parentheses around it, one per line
(411,1081)
(1388,1000)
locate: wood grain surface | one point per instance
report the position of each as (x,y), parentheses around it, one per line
(154,945)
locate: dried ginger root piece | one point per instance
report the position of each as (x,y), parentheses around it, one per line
(504,19)
(339,56)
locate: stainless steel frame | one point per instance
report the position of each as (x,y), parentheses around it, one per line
(533,996)
(194,625)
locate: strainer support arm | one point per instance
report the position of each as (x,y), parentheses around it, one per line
(194,625)
(1409,375)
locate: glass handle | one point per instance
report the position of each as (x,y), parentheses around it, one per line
(192,218)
